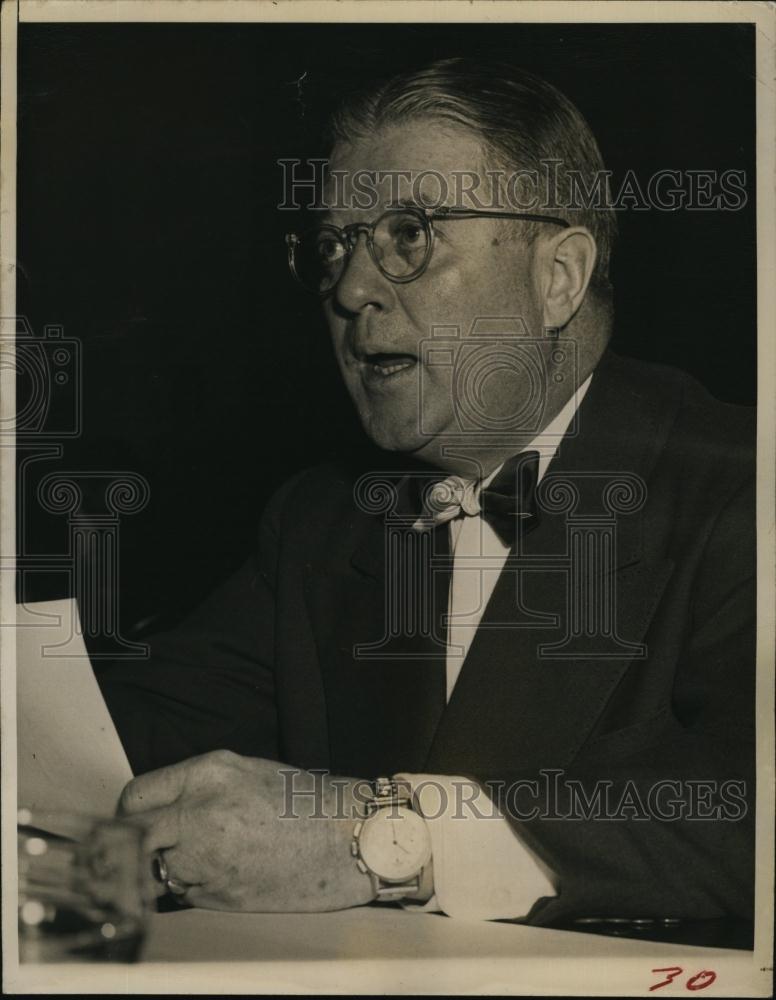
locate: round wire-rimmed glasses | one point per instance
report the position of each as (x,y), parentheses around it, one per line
(400,242)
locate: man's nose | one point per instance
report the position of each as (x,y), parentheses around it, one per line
(362,283)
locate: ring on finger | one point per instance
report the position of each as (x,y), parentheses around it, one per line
(159,867)
(173,885)
(176,887)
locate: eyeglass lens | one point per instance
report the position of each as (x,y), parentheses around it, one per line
(400,247)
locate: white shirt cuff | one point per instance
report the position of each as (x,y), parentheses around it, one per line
(482,869)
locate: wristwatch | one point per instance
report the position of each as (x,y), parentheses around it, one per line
(392,844)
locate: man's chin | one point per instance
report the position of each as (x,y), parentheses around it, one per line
(399,441)
(399,436)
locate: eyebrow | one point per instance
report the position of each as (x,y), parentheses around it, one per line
(325,216)
(411,203)
(321,217)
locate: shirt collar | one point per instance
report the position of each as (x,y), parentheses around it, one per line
(548,440)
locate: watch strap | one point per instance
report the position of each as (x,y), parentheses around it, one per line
(386,793)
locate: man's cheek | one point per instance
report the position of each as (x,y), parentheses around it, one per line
(436,397)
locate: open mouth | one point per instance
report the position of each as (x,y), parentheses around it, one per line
(384,366)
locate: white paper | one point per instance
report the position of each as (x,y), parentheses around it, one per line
(70,758)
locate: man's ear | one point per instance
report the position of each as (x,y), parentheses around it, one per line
(568,258)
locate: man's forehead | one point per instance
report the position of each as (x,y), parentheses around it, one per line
(421,162)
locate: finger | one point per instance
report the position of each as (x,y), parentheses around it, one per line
(153,790)
(157,889)
(200,896)
(181,867)
(162,828)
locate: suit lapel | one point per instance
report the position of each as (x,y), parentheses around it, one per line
(378,614)
(530,690)
(518,702)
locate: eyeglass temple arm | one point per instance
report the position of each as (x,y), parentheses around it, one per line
(444,212)
(475,213)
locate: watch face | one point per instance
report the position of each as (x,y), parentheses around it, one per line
(394,843)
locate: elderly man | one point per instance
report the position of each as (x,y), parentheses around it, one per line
(527,621)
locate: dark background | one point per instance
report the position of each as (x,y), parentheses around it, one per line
(148,229)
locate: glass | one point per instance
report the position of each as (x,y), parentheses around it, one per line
(400,242)
(84,891)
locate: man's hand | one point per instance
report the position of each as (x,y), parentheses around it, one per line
(227,828)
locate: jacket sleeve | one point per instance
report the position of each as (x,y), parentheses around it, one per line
(657,819)
(209,683)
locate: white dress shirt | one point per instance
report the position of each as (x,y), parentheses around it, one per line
(482,869)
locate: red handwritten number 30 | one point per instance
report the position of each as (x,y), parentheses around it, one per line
(697,982)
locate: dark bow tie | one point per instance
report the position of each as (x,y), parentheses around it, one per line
(508,504)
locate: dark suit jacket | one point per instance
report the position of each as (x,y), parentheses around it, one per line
(267,668)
